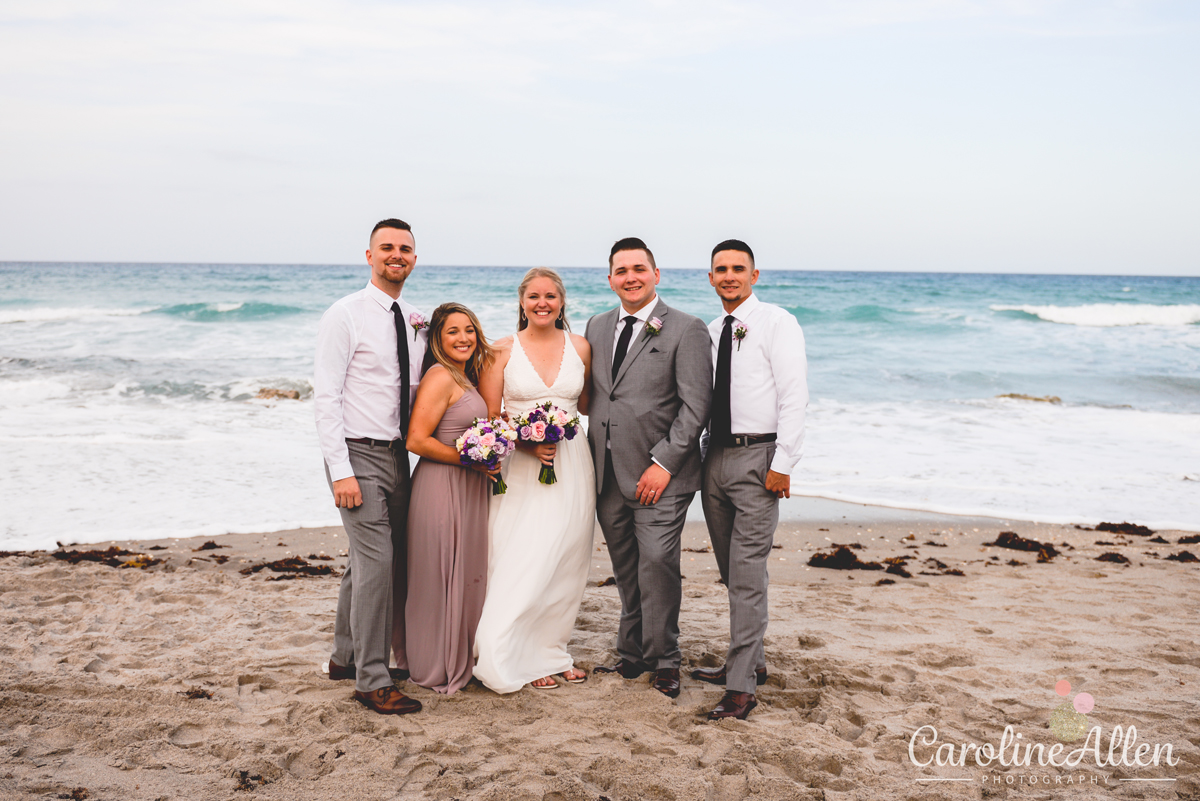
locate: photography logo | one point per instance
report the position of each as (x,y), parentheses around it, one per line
(1069,723)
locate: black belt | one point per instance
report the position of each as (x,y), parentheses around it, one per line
(394,444)
(743,440)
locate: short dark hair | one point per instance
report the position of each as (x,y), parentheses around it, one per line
(629,243)
(733,244)
(390,222)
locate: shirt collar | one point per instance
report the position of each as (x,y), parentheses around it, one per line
(745,309)
(642,314)
(382,298)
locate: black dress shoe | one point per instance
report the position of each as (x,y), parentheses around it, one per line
(717,675)
(733,705)
(666,681)
(388,701)
(627,669)
(339,673)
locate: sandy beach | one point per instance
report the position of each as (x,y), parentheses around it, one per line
(196,677)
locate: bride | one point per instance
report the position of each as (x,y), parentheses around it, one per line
(540,535)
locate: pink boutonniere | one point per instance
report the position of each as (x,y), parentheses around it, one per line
(739,333)
(417,322)
(654,326)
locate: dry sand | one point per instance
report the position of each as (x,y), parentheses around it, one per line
(97,661)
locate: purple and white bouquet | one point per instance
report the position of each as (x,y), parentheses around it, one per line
(546,423)
(486,442)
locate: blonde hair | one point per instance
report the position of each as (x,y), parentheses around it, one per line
(435,353)
(541,272)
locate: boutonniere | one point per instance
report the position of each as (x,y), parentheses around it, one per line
(739,333)
(417,322)
(654,326)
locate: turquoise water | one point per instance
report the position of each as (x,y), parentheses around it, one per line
(127,391)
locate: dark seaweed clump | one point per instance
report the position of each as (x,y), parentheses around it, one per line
(841,559)
(1010,539)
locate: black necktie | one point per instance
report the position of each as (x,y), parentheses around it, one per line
(402,354)
(720,427)
(623,344)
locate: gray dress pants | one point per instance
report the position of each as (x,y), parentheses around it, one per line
(644,546)
(741,516)
(370,610)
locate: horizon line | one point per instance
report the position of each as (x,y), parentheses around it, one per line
(566,267)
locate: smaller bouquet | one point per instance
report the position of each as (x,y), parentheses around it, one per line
(546,423)
(486,442)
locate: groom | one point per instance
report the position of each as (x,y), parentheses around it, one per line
(651,384)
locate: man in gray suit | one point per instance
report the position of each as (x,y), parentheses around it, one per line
(759,398)
(651,384)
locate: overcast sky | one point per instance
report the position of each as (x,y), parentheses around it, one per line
(960,135)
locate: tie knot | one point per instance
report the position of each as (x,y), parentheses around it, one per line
(729,318)
(630,320)
(395,307)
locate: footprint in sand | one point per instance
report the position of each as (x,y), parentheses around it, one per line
(186,736)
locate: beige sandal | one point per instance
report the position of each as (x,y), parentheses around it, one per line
(579,678)
(553,685)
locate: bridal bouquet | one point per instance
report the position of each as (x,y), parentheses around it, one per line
(546,423)
(486,442)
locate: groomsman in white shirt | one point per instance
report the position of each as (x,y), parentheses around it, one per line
(756,430)
(369,352)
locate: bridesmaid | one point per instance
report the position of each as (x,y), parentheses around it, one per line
(447,520)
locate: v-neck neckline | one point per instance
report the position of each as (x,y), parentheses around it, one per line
(561,360)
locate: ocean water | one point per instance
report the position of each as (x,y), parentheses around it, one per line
(128,408)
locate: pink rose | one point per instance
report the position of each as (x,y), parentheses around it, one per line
(488,440)
(538,430)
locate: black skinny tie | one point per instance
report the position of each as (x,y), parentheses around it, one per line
(623,345)
(402,354)
(720,428)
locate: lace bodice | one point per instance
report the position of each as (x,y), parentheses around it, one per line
(524,388)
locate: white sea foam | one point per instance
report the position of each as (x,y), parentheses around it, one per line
(38,314)
(118,469)
(1108,315)
(1029,461)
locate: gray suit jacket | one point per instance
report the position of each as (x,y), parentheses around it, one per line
(658,404)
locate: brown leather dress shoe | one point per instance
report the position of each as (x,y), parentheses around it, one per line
(666,681)
(339,673)
(388,701)
(627,669)
(717,675)
(733,705)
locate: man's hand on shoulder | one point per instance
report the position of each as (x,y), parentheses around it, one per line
(346,494)
(779,483)
(651,485)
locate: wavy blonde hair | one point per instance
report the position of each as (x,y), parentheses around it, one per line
(541,272)
(435,353)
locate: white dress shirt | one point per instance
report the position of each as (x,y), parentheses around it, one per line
(768,391)
(356,386)
(643,314)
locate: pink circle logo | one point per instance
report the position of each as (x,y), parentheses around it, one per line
(1069,720)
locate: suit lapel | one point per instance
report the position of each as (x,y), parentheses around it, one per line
(639,343)
(606,323)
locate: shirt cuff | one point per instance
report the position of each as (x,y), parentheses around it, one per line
(339,471)
(782,464)
(660,464)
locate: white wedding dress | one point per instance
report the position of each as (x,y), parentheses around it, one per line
(539,540)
